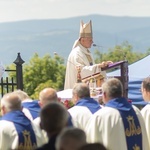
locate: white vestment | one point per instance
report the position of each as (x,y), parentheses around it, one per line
(76,58)
(27,113)
(106,126)
(37,121)
(80,116)
(9,135)
(146,115)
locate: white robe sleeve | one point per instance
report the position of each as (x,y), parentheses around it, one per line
(78,58)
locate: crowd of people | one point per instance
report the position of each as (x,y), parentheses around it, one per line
(117,125)
(46,124)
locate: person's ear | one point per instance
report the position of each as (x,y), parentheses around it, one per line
(59,99)
(104,97)
(40,104)
(3,110)
(75,98)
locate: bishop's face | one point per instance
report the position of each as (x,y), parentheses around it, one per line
(86,42)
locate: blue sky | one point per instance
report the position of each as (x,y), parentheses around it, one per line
(14,10)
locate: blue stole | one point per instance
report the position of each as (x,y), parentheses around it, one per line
(33,107)
(26,135)
(132,128)
(90,103)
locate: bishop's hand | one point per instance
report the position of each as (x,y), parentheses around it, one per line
(104,64)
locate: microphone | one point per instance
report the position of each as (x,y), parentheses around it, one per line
(55,53)
(101,54)
(94,45)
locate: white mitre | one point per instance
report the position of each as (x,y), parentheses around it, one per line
(85,31)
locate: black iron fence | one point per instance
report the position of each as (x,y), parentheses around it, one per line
(8,84)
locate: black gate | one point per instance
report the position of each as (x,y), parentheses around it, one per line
(10,84)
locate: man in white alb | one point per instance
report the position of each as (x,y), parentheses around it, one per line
(81,56)
(118,125)
(16,130)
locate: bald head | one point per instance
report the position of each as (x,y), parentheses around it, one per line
(48,95)
(10,102)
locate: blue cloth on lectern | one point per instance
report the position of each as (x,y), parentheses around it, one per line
(33,107)
(90,103)
(23,127)
(131,123)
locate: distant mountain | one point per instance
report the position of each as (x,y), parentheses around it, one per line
(58,35)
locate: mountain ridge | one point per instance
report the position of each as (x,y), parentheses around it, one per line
(47,36)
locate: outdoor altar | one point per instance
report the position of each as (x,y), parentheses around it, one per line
(95,81)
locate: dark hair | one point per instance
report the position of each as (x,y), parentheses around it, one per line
(54,117)
(93,146)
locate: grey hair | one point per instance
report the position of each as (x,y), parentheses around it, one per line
(113,88)
(23,95)
(82,90)
(71,133)
(11,101)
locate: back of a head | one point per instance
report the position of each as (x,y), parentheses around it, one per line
(54,117)
(146,84)
(92,146)
(82,90)
(22,95)
(11,102)
(70,139)
(113,88)
(48,95)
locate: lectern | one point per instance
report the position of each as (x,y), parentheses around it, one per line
(123,77)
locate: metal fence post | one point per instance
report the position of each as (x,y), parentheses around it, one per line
(19,73)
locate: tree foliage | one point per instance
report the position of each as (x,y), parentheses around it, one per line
(119,53)
(50,71)
(43,72)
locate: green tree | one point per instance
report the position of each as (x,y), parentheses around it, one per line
(43,72)
(119,53)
